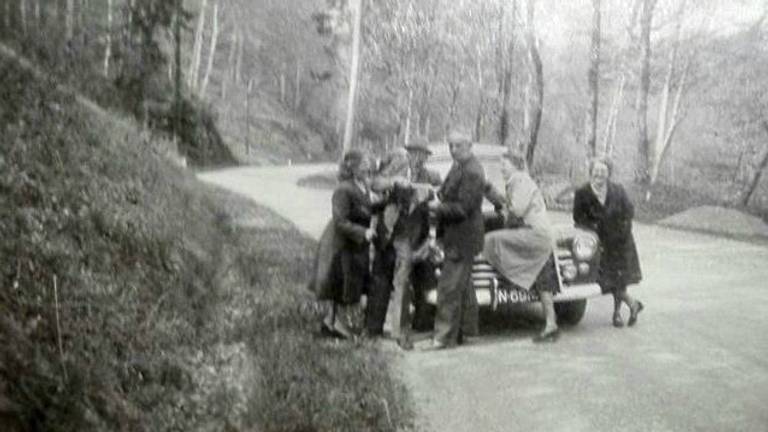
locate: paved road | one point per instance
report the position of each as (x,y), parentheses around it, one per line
(696,361)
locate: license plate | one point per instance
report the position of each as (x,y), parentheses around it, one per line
(514,296)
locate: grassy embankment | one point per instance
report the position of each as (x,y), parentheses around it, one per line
(135,298)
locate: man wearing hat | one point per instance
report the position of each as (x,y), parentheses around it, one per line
(401,226)
(423,273)
(418,153)
(460,217)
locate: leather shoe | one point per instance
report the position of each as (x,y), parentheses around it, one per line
(327,331)
(435,346)
(617,321)
(636,311)
(550,336)
(405,344)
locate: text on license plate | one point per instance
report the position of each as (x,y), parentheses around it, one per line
(509,296)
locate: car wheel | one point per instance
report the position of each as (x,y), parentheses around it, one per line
(570,313)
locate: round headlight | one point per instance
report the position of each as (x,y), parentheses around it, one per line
(584,247)
(583,268)
(569,272)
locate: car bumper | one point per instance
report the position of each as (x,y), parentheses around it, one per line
(485,296)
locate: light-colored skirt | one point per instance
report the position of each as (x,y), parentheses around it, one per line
(518,254)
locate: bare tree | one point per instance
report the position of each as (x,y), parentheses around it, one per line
(758,173)
(69,19)
(23,15)
(212,48)
(646,21)
(593,78)
(7,15)
(507,60)
(297,86)
(177,59)
(194,64)
(353,75)
(535,105)
(108,39)
(669,116)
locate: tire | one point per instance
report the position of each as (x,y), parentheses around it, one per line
(570,313)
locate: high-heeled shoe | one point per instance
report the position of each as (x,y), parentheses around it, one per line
(634,313)
(617,321)
(550,336)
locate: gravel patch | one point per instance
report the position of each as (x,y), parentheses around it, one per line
(718,220)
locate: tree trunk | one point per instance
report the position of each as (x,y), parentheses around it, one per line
(230,72)
(537,80)
(408,115)
(282,83)
(646,20)
(664,132)
(38,14)
(297,87)
(593,77)
(452,111)
(194,65)
(248,92)
(750,190)
(239,58)
(177,60)
(505,122)
(23,15)
(108,41)
(613,114)
(481,100)
(353,76)
(69,22)
(211,49)
(7,16)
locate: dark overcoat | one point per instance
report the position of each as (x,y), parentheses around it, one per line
(619,262)
(341,264)
(460,213)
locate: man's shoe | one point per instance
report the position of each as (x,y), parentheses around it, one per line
(435,346)
(405,344)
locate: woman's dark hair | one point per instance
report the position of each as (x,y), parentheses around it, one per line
(605,160)
(349,164)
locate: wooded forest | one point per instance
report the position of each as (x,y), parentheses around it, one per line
(672,90)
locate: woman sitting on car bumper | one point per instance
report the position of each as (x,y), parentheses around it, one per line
(522,250)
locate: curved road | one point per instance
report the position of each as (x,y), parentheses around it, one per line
(696,361)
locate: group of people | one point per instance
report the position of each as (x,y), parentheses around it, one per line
(382,242)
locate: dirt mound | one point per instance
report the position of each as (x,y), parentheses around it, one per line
(719,220)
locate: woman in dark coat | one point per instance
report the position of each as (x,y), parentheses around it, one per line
(341,273)
(604,207)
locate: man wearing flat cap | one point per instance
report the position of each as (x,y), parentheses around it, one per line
(418,153)
(423,273)
(402,226)
(460,218)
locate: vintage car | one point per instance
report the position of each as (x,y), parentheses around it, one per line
(576,257)
(576,260)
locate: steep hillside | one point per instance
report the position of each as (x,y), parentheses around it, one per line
(133,300)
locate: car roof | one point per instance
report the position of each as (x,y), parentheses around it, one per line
(483,151)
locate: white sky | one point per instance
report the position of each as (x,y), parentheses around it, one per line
(562,22)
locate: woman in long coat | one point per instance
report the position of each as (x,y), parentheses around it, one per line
(341,273)
(604,207)
(522,250)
